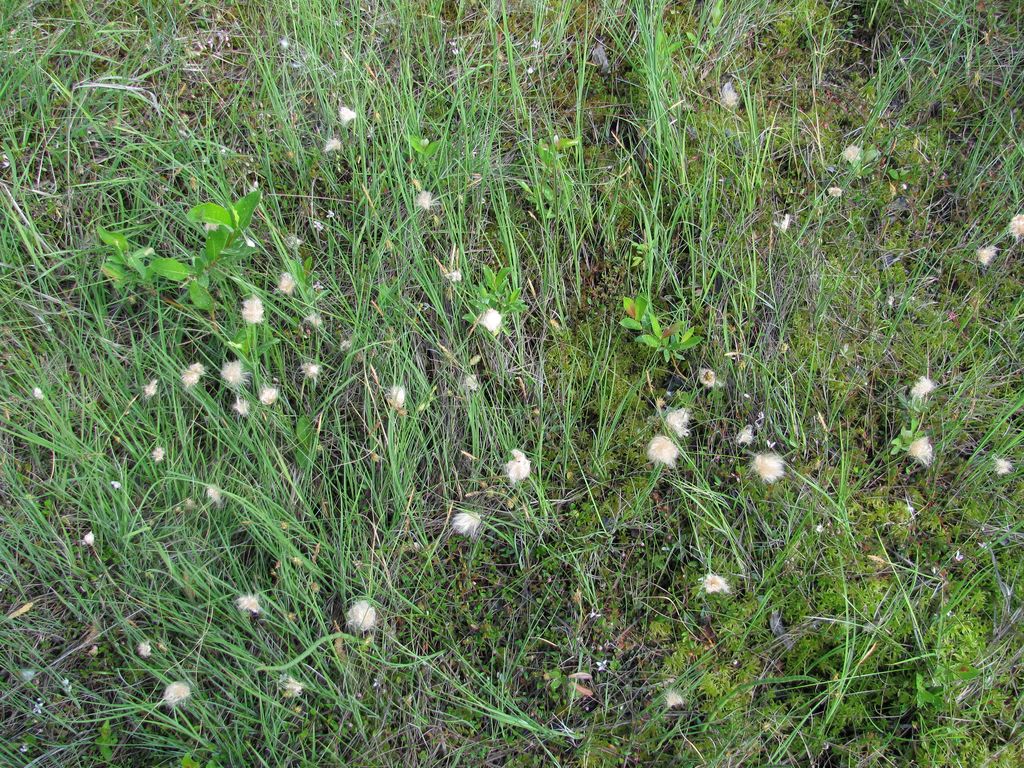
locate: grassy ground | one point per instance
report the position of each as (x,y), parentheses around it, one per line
(874,611)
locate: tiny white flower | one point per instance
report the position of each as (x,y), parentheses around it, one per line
(89,539)
(678,421)
(233,373)
(714,584)
(490,320)
(191,375)
(346,115)
(745,436)
(1017,226)
(518,469)
(455,276)
(922,450)
(286,283)
(144,649)
(158,454)
(770,467)
(395,396)
(149,391)
(214,494)
(466,523)
(37,393)
(252,310)
(730,98)
(708,378)
(471,383)
(241,407)
(332,145)
(852,154)
(921,389)
(291,688)
(176,694)
(269,395)
(835,191)
(115,485)
(361,616)
(986,255)
(248,604)
(425,200)
(1002,466)
(310,370)
(661,450)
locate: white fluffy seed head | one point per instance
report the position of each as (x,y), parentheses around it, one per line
(346,115)
(332,145)
(286,283)
(707,377)
(471,383)
(921,450)
(661,450)
(986,254)
(490,320)
(310,370)
(852,154)
(191,375)
(252,310)
(233,373)
(1001,466)
(89,539)
(241,407)
(455,276)
(921,389)
(425,200)
(396,396)
(835,191)
(158,454)
(745,435)
(678,421)
(313,320)
(291,688)
(215,495)
(177,694)
(673,699)
(361,616)
(149,391)
(518,469)
(269,395)
(730,98)
(769,467)
(716,585)
(783,223)
(466,524)
(37,393)
(144,649)
(1017,226)
(248,604)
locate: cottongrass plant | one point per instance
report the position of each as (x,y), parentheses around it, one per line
(661,450)
(361,616)
(176,694)
(770,467)
(518,469)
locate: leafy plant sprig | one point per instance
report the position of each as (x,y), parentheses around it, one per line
(670,340)
(495,292)
(130,268)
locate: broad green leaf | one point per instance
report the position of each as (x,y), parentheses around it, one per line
(650,341)
(629,322)
(171,269)
(693,341)
(114,271)
(211,213)
(245,207)
(113,239)
(215,242)
(199,296)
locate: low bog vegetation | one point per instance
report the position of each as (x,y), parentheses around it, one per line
(438,384)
